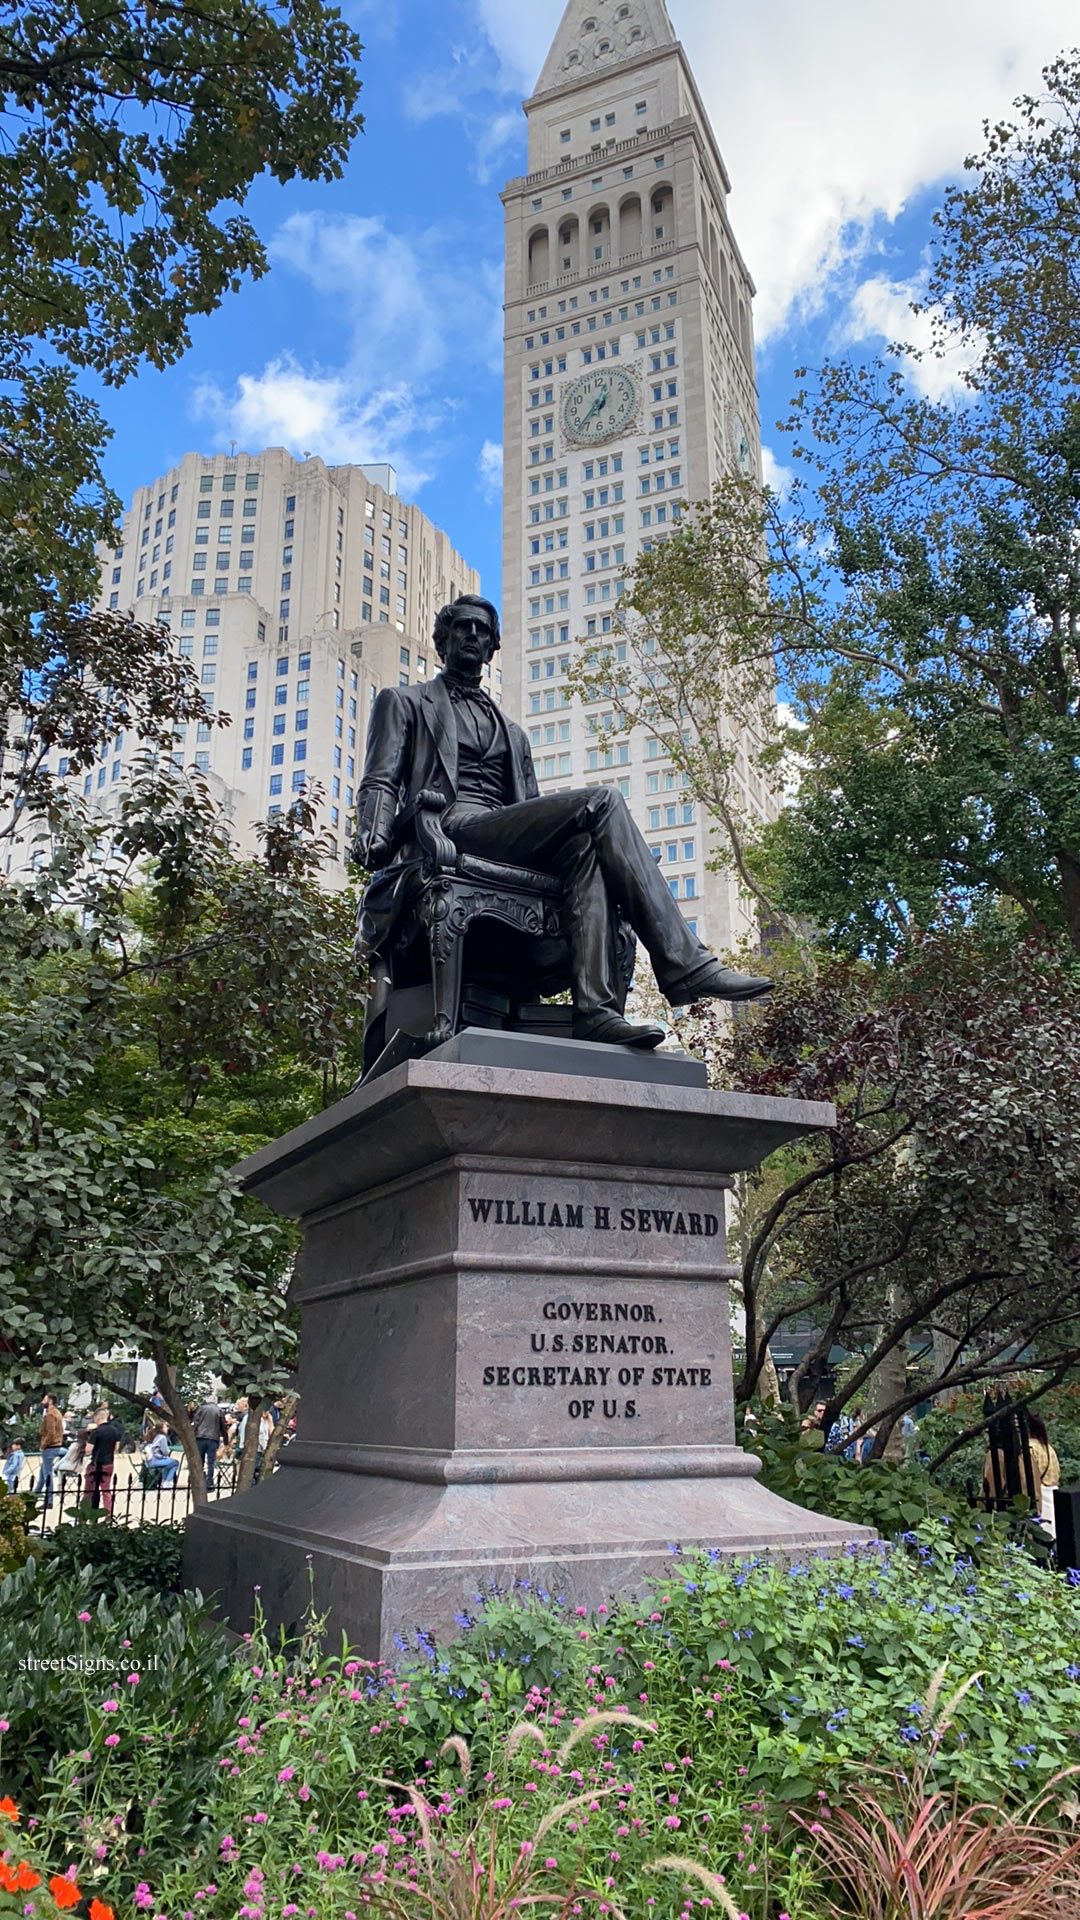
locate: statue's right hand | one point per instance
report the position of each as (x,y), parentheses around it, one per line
(372,854)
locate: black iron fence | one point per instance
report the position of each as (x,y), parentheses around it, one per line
(136,1496)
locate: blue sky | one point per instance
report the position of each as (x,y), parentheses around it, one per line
(376,334)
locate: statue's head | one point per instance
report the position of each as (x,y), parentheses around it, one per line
(467,632)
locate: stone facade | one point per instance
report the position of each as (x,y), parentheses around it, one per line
(620,262)
(297,591)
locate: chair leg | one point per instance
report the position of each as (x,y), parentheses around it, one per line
(447,941)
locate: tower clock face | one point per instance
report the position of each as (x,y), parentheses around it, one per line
(740,445)
(598,405)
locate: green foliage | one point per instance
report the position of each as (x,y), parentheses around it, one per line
(761,1686)
(132,138)
(60,1669)
(199,1005)
(1059,1408)
(893,1497)
(916,591)
(936,648)
(16,1515)
(941,1199)
(115,1563)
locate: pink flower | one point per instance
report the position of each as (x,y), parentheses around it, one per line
(551,1863)
(143,1896)
(286,1773)
(133,1679)
(110,1706)
(112,1739)
(4,1725)
(84,1617)
(672,1820)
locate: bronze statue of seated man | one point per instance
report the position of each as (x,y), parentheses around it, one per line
(447,735)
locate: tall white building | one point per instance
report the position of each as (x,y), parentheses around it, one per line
(296,591)
(629,386)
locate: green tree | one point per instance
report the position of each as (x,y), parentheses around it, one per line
(942,1207)
(917,593)
(132,135)
(165,1009)
(935,638)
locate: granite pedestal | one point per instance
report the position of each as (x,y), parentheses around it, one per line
(515,1342)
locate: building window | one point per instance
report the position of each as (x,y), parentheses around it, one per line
(206,485)
(253,669)
(300,719)
(251,481)
(277,756)
(299,751)
(275,783)
(245,760)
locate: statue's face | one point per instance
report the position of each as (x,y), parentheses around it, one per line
(470,642)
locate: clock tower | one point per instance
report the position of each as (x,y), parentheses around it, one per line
(629,389)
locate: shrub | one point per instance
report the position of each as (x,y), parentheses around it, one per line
(892,1497)
(114,1562)
(764,1687)
(63,1655)
(16,1513)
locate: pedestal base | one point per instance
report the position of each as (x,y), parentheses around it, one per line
(515,1348)
(386,1557)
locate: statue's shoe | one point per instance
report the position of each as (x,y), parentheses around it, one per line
(711,981)
(617,1032)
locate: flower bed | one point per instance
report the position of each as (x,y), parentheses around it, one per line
(692,1726)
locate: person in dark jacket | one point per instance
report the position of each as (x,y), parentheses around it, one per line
(101,1444)
(211,1429)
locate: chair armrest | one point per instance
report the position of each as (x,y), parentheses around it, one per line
(437,850)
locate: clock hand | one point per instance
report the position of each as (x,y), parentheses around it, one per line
(600,401)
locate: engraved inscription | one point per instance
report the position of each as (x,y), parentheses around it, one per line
(531,1212)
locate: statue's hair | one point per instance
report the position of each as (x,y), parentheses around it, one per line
(445,616)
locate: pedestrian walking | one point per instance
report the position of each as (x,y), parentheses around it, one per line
(102,1440)
(14,1462)
(51,1443)
(211,1430)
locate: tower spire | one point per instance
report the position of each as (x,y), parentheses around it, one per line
(596,35)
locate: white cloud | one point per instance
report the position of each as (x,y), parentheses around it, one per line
(775,475)
(471,88)
(405,316)
(319,412)
(881,309)
(828,115)
(490,469)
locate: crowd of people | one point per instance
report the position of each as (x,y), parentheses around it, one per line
(87,1453)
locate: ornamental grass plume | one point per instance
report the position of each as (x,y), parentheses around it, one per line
(474,1879)
(714,1886)
(913,1852)
(935,1860)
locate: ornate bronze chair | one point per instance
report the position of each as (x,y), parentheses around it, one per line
(429,977)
